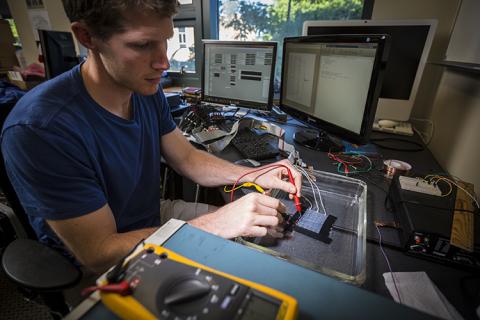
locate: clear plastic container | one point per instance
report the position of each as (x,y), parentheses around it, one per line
(342,258)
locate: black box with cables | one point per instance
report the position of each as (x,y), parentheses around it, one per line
(426,225)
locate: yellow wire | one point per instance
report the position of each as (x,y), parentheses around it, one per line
(245,185)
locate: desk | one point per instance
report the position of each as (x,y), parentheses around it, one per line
(448,279)
(319,296)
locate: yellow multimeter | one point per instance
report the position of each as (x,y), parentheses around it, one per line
(165,285)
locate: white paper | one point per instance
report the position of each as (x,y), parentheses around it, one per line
(419,292)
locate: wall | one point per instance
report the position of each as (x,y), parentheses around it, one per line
(463,46)
(457,119)
(456,110)
(58,21)
(449,98)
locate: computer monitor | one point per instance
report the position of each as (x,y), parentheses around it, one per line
(333,83)
(58,52)
(239,73)
(410,44)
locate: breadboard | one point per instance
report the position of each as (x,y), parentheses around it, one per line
(463,225)
(419,185)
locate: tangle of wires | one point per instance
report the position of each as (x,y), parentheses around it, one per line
(353,162)
(311,194)
(450,182)
(206,116)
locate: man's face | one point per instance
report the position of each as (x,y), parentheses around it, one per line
(136,58)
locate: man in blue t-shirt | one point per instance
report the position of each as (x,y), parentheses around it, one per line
(83,150)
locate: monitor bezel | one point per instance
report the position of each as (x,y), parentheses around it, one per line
(394,109)
(237,102)
(373,92)
(46,38)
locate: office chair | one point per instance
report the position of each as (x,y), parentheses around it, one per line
(36,269)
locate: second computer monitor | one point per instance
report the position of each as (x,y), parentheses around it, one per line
(333,82)
(239,73)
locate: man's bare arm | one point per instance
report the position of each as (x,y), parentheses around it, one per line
(93,238)
(210,171)
(200,166)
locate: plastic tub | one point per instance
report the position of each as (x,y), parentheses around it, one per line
(344,257)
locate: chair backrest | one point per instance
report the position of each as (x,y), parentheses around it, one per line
(5,184)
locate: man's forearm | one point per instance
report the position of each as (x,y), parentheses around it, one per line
(114,247)
(209,170)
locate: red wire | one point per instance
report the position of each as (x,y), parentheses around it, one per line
(345,163)
(298,205)
(273,166)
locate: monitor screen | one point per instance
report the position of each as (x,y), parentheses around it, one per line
(239,73)
(333,82)
(58,50)
(410,44)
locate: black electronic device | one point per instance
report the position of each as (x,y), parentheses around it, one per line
(309,222)
(239,73)
(58,50)
(256,146)
(333,83)
(426,225)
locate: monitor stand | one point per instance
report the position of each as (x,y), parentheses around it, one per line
(317,141)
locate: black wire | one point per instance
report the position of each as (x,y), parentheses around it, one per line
(417,146)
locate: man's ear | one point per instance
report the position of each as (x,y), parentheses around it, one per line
(83,35)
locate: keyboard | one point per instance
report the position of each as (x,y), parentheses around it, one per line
(255,146)
(402,128)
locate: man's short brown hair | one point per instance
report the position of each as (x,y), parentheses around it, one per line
(105,17)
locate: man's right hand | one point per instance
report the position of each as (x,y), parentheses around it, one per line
(253,215)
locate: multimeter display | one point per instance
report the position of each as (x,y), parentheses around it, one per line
(165,285)
(260,308)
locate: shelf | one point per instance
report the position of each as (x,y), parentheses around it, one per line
(461,66)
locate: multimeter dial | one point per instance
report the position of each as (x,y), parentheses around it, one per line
(186,296)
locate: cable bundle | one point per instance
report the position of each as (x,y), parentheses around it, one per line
(351,162)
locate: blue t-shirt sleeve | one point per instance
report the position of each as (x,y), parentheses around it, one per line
(167,124)
(51,174)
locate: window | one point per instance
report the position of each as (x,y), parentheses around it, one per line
(181,50)
(272,20)
(184,48)
(276,19)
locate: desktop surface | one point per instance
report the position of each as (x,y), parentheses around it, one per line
(319,296)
